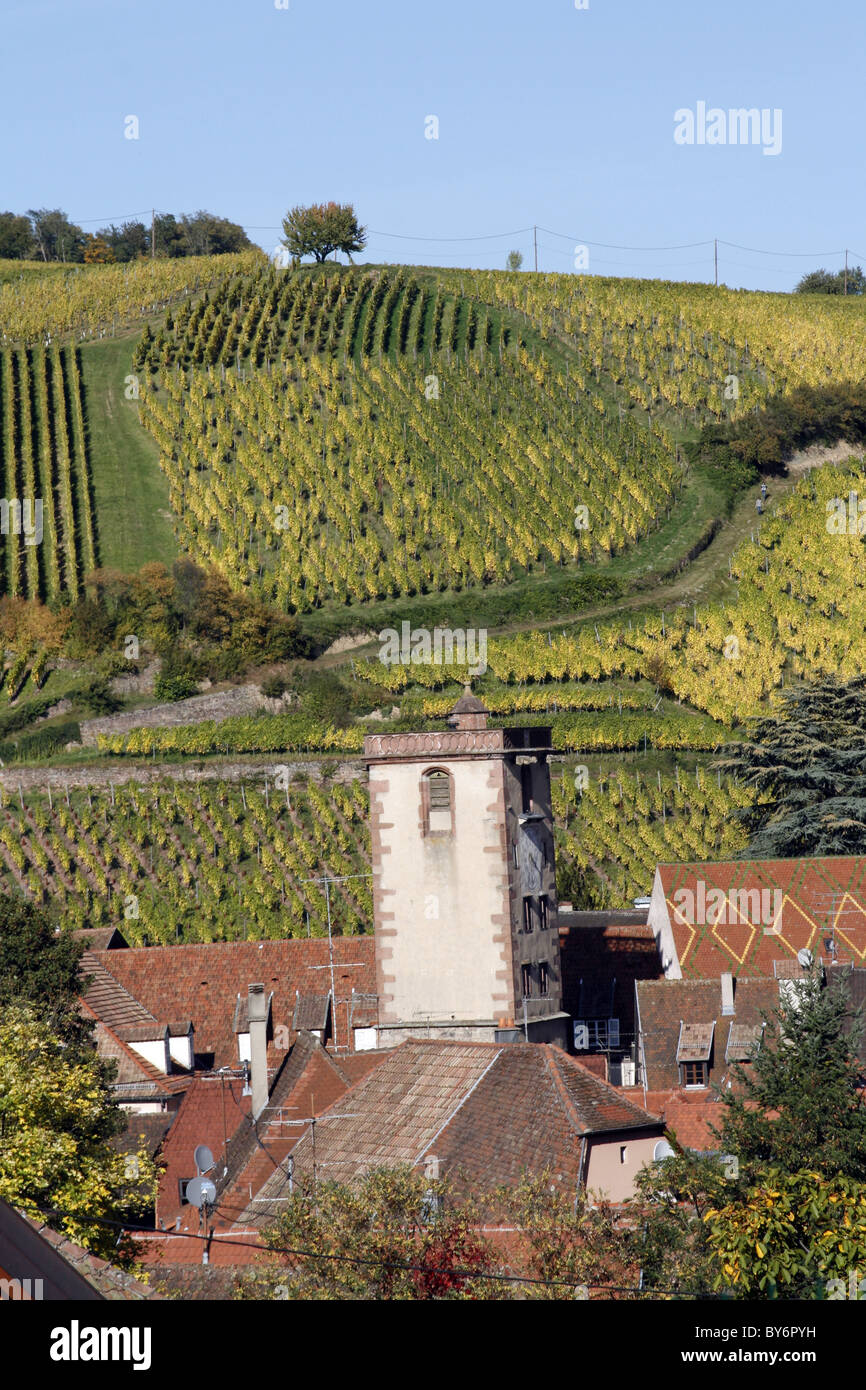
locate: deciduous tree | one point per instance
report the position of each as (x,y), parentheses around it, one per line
(57,1120)
(321,229)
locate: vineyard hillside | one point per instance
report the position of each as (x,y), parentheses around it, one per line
(167,862)
(549,461)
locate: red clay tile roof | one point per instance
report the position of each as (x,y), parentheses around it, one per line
(695,1042)
(137,1079)
(212,1110)
(664,1005)
(311,1013)
(488,1113)
(202,982)
(307,1082)
(147,1130)
(164,1251)
(853,982)
(689,1116)
(804,902)
(742,1042)
(107,998)
(109,1282)
(142,1032)
(101,938)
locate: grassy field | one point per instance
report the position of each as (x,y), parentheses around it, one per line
(133,518)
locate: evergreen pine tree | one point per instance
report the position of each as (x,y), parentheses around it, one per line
(806,763)
(796,1106)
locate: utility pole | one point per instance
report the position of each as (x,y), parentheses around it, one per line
(152,233)
(716,258)
(846,270)
(535,244)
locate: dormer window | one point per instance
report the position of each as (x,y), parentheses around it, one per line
(438,801)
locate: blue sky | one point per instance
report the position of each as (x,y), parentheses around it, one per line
(547,114)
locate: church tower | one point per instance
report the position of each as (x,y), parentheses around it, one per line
(464,882)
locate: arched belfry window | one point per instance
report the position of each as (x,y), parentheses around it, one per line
(438,801)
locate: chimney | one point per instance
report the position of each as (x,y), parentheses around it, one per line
(727,993)
(257,1017)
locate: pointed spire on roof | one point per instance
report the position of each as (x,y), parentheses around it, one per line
(469,712)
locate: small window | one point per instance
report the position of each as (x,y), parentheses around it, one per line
(437,802)
(440,791)
(526,974)
(182,1185)
(542,914)
(543,981)
(527,914)
(516,853)
(526,787)
(694,1073)
(623,1153)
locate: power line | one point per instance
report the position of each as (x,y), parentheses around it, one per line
(492,236)
(610,246)
(381,1262)
(118,217)
(756,250)
(521,231)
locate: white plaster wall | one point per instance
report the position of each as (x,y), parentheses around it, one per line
(444,893)
(181,1050)
(660,921)
(155,1052)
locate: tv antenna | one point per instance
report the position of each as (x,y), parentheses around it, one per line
(328,879)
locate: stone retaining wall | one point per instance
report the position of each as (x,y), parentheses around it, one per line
(224,704)
(38,778)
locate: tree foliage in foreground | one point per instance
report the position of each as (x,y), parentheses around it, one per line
(795,1235)
(805,761)
(395,1234)
(40,969)
(57,1121)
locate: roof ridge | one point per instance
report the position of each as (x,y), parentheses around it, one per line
(570,1108)
(459,1106)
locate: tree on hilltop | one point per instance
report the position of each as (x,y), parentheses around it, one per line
(830,282)
(57,239)
(16,237)
(97,252)
(321,229)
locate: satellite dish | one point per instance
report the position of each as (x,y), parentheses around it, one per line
(200,1192)
(804,956)
(662,1150)
(203,1158)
